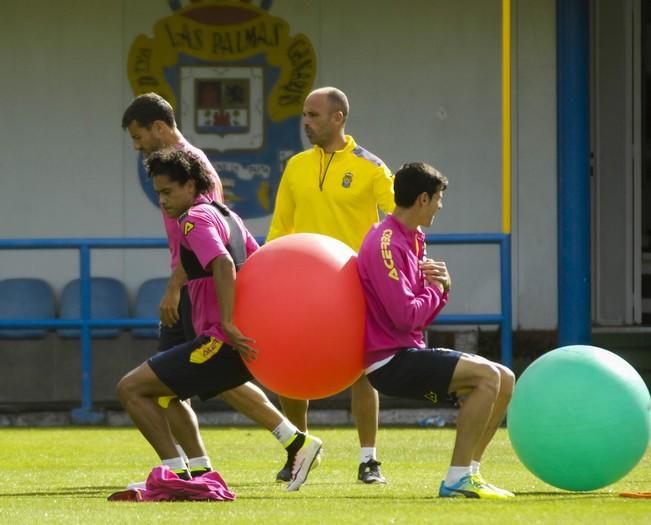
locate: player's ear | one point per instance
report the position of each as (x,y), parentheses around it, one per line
(191,186)
(158,126)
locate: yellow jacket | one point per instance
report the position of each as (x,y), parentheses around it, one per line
(335,194)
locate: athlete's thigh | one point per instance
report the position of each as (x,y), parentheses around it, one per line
(470,370)
(417,374)
(144,382)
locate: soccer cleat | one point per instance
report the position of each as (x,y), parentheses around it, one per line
(183,474)
(507,493)
(285,473)
(470,486)
(304,459)
(369,472)
(199,471)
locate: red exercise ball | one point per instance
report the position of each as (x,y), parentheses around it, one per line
(299,297)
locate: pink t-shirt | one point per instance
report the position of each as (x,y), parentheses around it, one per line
(399,302)
(206,233)
(171,225)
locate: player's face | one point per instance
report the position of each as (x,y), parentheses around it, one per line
(431,207)
(319,120)
(146,140)
(173,197)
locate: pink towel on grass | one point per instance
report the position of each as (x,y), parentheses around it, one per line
(165,485)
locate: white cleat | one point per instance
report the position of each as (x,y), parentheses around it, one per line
(303,461)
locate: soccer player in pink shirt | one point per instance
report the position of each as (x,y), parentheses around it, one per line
(404,292)
(214,243)
(149,120)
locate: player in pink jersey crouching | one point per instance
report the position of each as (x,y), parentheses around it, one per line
(404,292)
(214,243)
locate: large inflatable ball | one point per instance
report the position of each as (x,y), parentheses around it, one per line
(580,418)
(299,297)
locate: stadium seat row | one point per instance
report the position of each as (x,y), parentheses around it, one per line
(32,298)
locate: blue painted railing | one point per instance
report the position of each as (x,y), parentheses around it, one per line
(85,414)
(504,317)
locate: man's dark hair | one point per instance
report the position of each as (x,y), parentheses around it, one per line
(415,178)
(148,108)
(180,166)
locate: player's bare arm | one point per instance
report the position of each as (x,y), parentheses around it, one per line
(223,271)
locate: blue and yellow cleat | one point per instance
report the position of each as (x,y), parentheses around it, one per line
(470,486)
(507,493)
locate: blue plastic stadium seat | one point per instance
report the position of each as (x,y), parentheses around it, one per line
(108,300)
(24,299)
(147,305)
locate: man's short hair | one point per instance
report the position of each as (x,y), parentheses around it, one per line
(415,178)
(180,166)
(337,99)
(147,109)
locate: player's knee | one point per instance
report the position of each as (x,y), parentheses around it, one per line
(125,388)
(507,381)
(490,379)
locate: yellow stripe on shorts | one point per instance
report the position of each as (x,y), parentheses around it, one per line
(206,351)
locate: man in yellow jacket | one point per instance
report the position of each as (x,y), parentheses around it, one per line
(335,189)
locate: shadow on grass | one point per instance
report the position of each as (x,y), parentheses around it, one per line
(344,497)
(326,485)
(566,495)
(83,492)
(103,490)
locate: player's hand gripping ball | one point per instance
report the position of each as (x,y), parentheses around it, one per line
(300,298)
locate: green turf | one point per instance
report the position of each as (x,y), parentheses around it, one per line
(65,475)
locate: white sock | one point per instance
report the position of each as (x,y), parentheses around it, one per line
(366,454)
(455,474)
(199,462)
(284,432)
(474,467)
(181,452)
(175,464)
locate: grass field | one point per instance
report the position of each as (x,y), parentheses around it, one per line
(64,476)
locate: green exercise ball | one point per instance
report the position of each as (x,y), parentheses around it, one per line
(580,418)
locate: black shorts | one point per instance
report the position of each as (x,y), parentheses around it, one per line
(417,373)
(205,367)
(182,331)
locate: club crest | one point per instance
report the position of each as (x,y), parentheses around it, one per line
(236,77)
